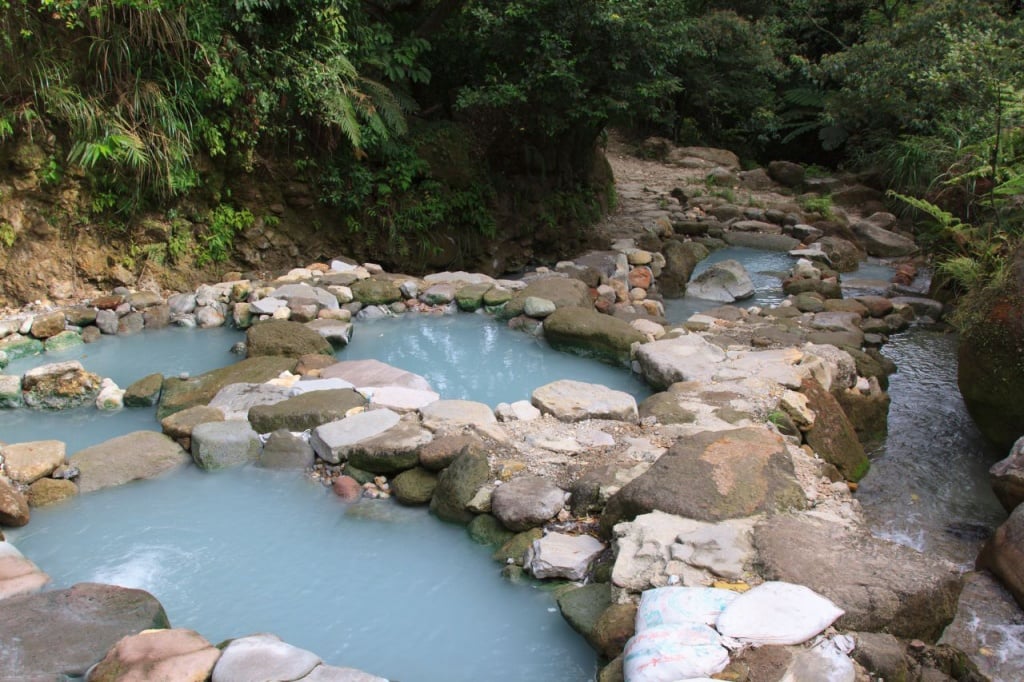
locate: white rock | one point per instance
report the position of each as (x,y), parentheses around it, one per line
(557,555)
(569,401)
(520,410)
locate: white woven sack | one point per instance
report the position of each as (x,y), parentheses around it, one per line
(671,605)
(777,613)
(669,653)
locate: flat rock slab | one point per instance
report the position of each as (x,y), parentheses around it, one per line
(337,332)
(587,332)
(221,445)
(882,586)
(28,462)
(313,385)
(64,632)
(713,476)
(180,394)
(305,292)
(399,398)
(132,457)
(456,413)
(284,338)
(526,502)
(557,555)
(572,401)
(393,450)
(334,440)
(235,400)
(330,673)
(680,358)
(263,657)
(373,373)
(178,654)
(305,411)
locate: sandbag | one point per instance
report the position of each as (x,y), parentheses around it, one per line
(777,613)
(668,653)
(674,605)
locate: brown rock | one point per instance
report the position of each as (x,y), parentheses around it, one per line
(1007,477)
(832,436)
(179,655)
(28,462)
(48,491)
(347,488)
(614,628)
(47,325)
(1003,554)
(180,424)
(13,505)
(640,277)
(442,451)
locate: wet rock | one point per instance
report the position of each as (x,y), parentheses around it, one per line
(712,476)
(400,399)
(145,392)
(832,435)
(283,338)
(882,586)
(330,673)
(442,451)
(336,332)
(515,549)
(180,424)
(10,391)
(585,331)
(362,373)
(1003,554)
(17,346)
(59,385)
(448,414)
(881,654)
(572,401)
(484,529)
(881,242)
(395,449)
(135,456)
(28,462)
(220,445)
(844,255)
(527,501)
(376,291)
(988,627)
(333,441)
(131,323)
(286,450)
(680,358)
(347,488)
(64,632)
(18,575)
(14,510)
(415,486)
(63,341)
(457,485)
(582,608)
(726,281)
(558,555)
(178,654)
(179,394)
(305,411)
(563,292)
(263,657)
(1007,477)
(47,491)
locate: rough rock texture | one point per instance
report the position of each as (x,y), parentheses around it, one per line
(457,485)
(1007,476)
(145,392)
(572,401)
(235,400)
(394,450)
(558,555)
(681,259)
(587,332)
(832,435)
(18,575)
(180,394)
(563,292)
(882,586)
(675,359)
(415,486)
(305,411)
(582,607)
(283,338)
(526,501)
(990,367)
(443,450)
(712,476)
(64,632)
(726,281)
(28,462)
(334,441)
(179,655)
(14,509)
(449,414)
(59,386)
(285,450)
(881,242)
(221,445)
(988,627)
(1003,554)
(134,456)
(362,373)
(180,424)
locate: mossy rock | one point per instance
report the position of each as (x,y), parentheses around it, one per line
(180,394)
(516,546)
(487,530)
(415,486)
(284,338)
(305,411)
(471,296)
(587,332)
(376,291)
(145,392)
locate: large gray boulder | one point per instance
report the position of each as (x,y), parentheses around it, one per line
(394,450)
(882,243)
(135,456)
(453,414)
(59,386)
(337,332)
(526,502)
(1007,476)
(585,331)
(563,292)
(559,555)
(882,586)
(235,400)
(64,632)
(727,281)
(679,358)
(458,484)
(305,411)
(982,627)
(573,401)
(180,394)
(713,476)
(304,292)
(221,445)
(263,657)
(286,450)
(363,373)
(334,441)
(1003,554)
(283,338)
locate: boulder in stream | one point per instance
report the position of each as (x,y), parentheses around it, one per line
(585,331)
(1003,554)
(28,462)
(1007,476)
(64,632)
(220,445)
(135,456)
(727,281)
(283,338)
(176,654)
(59,386)
(180,394)
(526,502)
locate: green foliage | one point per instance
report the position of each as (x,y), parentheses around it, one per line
(218,237)
(7,235)
(821,205)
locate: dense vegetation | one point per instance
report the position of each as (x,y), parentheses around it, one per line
(420,120)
